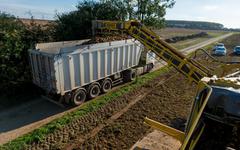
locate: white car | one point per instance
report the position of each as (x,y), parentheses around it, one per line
(220,49)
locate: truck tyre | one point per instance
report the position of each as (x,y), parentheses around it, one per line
(79,96)
(133,75)
(106,85)
(129,75)
(94,90)
(150,67)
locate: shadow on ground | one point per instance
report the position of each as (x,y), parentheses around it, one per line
(25,114)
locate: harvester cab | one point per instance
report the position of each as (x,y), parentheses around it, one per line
(217,99)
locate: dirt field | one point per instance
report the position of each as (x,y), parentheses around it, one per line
(100,130)
(167,33)
(119,124)
(171,32)
(166,103)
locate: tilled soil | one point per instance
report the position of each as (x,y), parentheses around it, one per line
(78,128)
(166,103)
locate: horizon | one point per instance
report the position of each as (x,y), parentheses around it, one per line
(166,20)
(217,11)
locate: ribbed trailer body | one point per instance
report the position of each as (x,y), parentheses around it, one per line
(64,66)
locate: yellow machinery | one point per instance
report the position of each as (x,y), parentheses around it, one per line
(216,99)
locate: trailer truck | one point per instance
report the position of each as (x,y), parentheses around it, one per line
(72,71)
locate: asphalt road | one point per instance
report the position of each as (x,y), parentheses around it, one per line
(23,119)
(203,44)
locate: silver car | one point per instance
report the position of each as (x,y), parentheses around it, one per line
(220,49)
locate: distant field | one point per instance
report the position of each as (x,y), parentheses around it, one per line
(41,22)
(172,32)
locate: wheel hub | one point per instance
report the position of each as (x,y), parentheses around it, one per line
(95,90)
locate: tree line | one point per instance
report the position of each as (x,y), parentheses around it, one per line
(77,24)
(198,25)
(194,25)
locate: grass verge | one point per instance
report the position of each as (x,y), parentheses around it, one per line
(90,106)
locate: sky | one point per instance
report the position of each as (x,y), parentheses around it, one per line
(220,11)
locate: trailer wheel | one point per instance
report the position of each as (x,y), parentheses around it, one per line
(79,97)
(106,85)
(150,67)
(129,75)
(133,75)
(94,90)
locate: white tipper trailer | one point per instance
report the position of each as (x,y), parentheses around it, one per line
(73,71)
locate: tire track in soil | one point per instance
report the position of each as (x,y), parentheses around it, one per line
(96,130)
(166,103)
(85,124)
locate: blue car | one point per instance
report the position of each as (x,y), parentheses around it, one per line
(237,50)
(220,51)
